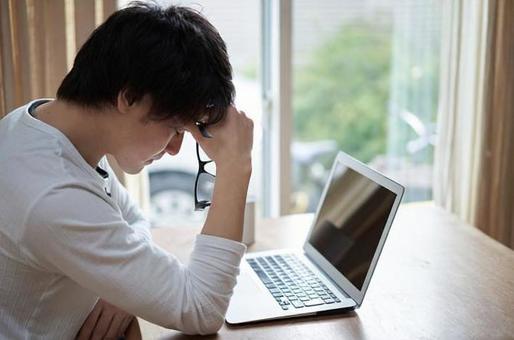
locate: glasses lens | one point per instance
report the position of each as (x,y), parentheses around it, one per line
(205,187)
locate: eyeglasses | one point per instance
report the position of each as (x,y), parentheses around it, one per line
(204,182)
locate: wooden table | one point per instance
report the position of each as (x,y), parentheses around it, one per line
(437,278)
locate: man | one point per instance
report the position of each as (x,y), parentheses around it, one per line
(76,255)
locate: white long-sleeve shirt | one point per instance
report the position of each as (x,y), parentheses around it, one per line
(70,234)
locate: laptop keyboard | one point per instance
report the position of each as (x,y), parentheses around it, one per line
(292,283)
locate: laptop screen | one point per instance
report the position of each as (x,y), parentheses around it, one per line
(350,222)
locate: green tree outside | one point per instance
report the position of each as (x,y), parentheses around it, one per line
(342,92)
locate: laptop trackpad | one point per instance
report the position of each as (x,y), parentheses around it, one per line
(251,301)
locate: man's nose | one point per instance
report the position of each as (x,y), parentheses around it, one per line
(175,143)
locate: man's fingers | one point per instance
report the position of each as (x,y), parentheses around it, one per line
(133,332)
(125,324)
(105,322)
(87,327)
(115,328)
(194,131)
(102,326)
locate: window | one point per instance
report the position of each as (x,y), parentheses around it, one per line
(365,81)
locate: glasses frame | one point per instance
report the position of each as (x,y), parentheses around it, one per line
(201,204)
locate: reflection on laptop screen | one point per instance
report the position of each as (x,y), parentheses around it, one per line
(350,222)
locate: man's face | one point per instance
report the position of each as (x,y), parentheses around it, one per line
(142,141)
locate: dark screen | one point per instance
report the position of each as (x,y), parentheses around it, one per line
(350,223)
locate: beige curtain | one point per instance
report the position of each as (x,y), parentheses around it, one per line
(38,43)
(461,109)
(474,158)
(495,214)
(33,50)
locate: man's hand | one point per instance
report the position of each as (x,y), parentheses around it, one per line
(231,149)
(230,145)
(105,322)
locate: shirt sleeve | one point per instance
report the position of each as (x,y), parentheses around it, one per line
(71,230)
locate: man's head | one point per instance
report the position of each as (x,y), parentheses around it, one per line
(172,59)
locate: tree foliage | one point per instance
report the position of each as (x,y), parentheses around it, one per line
(341,93)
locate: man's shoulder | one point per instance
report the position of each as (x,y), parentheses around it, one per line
(38,164)
(28,172)
(42,178)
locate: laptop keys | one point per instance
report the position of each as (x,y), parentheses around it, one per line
(290,282)
(314,302)
(297,304)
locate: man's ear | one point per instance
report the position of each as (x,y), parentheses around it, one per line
(125,101)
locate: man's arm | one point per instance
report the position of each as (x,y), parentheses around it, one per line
(230,148)
(72,231)
(226,214)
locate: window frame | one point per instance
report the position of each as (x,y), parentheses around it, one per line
(277,115)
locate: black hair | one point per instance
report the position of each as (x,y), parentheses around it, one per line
(173,54)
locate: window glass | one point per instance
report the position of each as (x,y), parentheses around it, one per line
(365,81)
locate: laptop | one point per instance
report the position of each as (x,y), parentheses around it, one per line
(332,271)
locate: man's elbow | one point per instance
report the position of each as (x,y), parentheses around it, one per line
(213,326)
(203,319)
(203,327)
(211,315)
